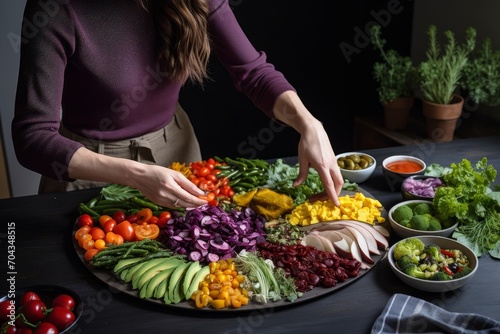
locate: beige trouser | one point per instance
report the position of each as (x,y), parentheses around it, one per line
(176,142)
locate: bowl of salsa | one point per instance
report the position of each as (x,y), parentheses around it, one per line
(397,168)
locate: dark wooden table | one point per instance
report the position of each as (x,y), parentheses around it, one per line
(44,254)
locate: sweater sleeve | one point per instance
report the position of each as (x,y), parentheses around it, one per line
(249,69)
(45,50)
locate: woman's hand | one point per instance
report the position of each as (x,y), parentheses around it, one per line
(163,186)
(169,188)
(315,149)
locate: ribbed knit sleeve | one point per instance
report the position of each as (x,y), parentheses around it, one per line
(47,43)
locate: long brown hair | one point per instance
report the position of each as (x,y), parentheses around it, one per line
(184,42)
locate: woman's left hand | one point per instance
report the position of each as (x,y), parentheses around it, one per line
(316,151)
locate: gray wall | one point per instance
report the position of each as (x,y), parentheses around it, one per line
(23,182)
(457,16)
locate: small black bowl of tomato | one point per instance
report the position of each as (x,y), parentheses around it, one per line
(42,306)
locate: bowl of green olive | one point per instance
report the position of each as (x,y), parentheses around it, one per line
(356,167)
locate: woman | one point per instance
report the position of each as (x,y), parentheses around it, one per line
(98,89)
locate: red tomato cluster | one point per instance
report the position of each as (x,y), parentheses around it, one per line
(118,228)
(204,176)
(37,316)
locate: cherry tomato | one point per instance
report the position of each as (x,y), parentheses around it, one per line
(90,253)
(109,225)
(85,220)
(146,230)
(27,296)
(119,239)
(64,301)
(61,317)
(144,215)
(212,178)
(104,218)
(119,216)
(34,310)
(97,233)
(153,220)
(126,230)
(203,171)
(110,238)
(132,219)
(208,197)
(46,328)
(11,330)
(210,166)
(163,218)
(25,330)
(82,231)
(5,307)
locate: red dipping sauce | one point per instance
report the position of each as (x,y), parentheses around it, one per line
(404,166)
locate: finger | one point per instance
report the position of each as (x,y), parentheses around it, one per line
(303,172)
(329,184)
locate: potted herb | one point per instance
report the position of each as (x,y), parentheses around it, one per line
(439,77)
(394,75)
(481,75)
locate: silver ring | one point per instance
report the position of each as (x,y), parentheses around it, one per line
(176,203)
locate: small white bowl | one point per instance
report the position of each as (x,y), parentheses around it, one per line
(357,175)
(405,232)
(436,286)
(395,178)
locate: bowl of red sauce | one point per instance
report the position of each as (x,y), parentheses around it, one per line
(397,168)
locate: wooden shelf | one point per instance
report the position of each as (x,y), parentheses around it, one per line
(370,132)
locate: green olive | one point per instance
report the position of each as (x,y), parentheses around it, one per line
(354,157)
(363,163)
(341,163)
(349,164)
(367,158)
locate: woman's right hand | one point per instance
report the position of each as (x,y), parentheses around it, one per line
(169,188)
(164,186)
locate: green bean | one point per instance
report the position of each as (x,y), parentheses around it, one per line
(83,208)
(218,159)
(145,203)
(236,163)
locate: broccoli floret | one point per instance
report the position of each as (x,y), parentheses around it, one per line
(419,222)
(422,209)
(440,276)
(405,223)
(401,213)
(466,270)
(433,251)
(410,246)
(434,224)
(414,271)
(406,260)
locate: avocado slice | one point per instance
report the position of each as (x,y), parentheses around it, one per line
(191,271)
(195,282)
(172,293)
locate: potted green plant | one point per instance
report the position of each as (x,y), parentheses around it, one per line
(439,77)
(481,75)
(394,75)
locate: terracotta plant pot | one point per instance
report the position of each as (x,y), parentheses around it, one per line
(441,119)
(397,113)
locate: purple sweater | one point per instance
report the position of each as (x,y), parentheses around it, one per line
(95,59)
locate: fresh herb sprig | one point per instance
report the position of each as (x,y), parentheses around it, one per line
(468,197)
